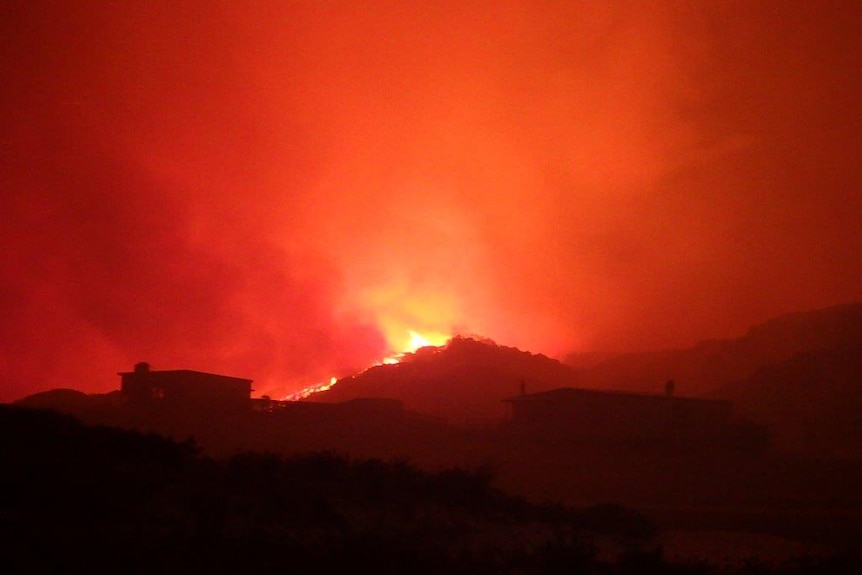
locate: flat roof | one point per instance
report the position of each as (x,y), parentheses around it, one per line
(164,372)
(569,392)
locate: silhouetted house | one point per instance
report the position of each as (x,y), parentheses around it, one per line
(184,388)
(372,407)
(591,415)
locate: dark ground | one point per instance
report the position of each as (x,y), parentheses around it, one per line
(94,499)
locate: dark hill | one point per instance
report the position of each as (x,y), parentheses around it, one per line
(811,402)
(70,400)
(462,380)
(61,399)
(712,364)
(799,374)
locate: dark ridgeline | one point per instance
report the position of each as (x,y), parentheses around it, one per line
(715,363)
(797,374)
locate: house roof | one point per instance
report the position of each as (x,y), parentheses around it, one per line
(175,372)
(568,393)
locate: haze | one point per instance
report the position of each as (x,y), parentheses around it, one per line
(280,191)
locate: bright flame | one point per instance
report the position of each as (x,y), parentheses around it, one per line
(416,341)
(311,389)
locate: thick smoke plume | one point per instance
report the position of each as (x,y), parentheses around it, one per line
(282,190)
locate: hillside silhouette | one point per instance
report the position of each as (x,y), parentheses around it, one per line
(712,364)
(798,374)
(465,379)
(811,402)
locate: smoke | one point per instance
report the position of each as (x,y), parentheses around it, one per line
(281,191)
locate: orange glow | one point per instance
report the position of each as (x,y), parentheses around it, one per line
(283,190)
(410,314)
(416,341)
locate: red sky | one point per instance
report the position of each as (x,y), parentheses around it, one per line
(280,190)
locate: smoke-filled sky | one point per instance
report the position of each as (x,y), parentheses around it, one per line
(281,190)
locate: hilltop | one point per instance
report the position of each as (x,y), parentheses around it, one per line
(467,378)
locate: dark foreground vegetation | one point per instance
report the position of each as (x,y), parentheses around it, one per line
(87,499)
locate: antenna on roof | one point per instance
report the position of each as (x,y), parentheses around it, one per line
(669,387)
